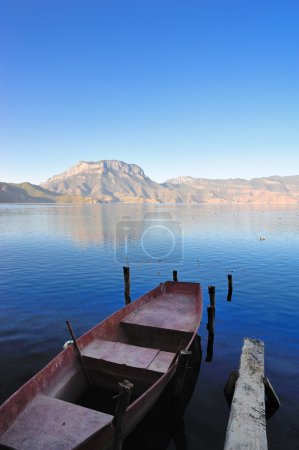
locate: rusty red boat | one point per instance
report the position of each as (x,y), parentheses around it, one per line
(140,343)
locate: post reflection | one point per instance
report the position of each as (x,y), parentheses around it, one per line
(210,347)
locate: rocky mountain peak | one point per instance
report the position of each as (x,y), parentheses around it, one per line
(98,167)
(118,181)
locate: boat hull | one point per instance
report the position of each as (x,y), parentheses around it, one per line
(140,342)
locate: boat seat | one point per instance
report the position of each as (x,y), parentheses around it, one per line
(50,423)
(169,312)
(165,324)
(129,355)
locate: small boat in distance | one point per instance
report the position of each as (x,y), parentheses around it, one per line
(70,403)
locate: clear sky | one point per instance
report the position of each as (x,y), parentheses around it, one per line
(203,88)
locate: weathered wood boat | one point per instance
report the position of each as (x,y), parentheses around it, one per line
(140,342)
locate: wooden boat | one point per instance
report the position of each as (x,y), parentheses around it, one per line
(140,343)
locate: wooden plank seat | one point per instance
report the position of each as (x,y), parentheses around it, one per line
(128,355)
(168,322)
(50,423)
(169,311)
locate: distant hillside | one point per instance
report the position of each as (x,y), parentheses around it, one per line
(31,193)
(114,181)
(272,190)
(117,181)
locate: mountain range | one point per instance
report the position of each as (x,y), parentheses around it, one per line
(116,181)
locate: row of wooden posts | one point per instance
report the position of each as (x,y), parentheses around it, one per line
(127,292)
(211,314)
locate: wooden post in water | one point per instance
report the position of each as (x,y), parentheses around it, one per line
(247,422)
(210,324)
(230,287)
(175,275)
(210,328)
(182,366)
(212,295)
(127,285)
(123,402)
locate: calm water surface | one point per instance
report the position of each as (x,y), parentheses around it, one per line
(60,262)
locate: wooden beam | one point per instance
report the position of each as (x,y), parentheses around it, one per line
(230,287)
(127,284)
(247,422)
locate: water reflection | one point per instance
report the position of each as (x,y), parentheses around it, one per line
(98,223)
(57,262)
(210,347)
(165,421)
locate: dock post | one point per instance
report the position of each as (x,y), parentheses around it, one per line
(175,275)
(247,421)
(212,295)
(127,284)
(230,287)
(210,328)
(123,402)
(182,366)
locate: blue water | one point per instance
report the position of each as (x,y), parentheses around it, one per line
(65,262)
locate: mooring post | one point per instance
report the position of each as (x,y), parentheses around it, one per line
(175,275)
(182,366)
(127,284)
(125,389)
(212,295)
(230,287)
(210,328)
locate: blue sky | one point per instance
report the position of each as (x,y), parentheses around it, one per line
(202,88)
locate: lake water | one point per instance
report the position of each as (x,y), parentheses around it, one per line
(65,262)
